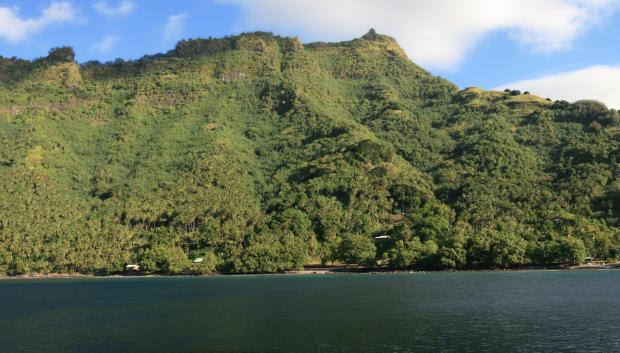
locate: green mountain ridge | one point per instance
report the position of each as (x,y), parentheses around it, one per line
(258,153)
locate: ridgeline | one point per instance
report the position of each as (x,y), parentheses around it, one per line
(257,153)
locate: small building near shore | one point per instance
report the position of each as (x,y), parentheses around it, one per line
(132,267)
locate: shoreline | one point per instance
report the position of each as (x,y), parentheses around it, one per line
(309,271)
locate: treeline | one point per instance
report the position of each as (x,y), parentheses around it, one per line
(258,154)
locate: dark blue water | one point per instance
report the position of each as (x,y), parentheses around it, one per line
(437,312)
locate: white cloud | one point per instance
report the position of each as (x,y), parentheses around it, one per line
(435,33)
(598,82)
(123,8)
(14,28)
(106,45)
(175,25)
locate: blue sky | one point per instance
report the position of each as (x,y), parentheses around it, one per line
(563,49)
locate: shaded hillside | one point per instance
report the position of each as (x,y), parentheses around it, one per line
(260,154)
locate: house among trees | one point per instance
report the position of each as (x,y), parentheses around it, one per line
(132,267)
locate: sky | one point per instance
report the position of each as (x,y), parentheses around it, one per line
(561,49)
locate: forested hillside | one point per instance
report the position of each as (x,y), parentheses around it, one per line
(260,154)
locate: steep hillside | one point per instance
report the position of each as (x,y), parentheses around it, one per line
(260,154)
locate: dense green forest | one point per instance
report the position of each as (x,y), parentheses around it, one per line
(260,154)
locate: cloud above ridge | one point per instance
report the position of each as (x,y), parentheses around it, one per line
(437,34)
(600,82)
(106,45)
(14,28)
(175,25)
(123,8)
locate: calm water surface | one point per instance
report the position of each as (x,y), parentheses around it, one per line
(437,312)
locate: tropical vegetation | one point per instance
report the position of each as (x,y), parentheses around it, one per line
(257,153)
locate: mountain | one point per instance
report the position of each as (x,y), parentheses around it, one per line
(258,153)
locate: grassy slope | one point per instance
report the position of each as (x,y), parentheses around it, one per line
(205,150)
